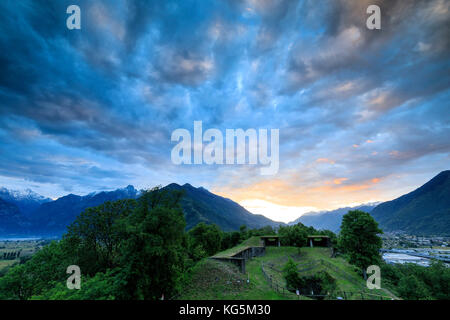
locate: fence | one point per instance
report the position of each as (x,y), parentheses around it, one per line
(340,295)
(278,287)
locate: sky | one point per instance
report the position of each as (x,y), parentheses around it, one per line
(363,115)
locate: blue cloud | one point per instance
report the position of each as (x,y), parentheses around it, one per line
(110,94)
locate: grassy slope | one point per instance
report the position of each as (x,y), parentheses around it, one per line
(7,263)
(218,280)
(250,242)
(27,248)
(214,280)
(345,274)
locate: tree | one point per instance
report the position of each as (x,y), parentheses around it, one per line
(16,284)
(320,283)
(96,234)
(230,239)
(152,255)
(209,237)
(100,287)
(244,232)
(359,239)
(411,288)
(437,279)
(328,283)
(290,274)
(294,235)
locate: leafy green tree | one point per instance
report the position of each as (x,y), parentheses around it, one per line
(17,284)
(295,235)
(437,279)
(136,251)
(321,283)
(328,283)
(96,234)
(102,286)
(244,232)
(38,274)
(359,239)
(153,256)
(410,287)
(209,237)
(290,274)
(230,239)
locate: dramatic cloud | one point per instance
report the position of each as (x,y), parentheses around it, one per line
(363,114)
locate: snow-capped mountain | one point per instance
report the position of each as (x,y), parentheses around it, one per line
(27,201)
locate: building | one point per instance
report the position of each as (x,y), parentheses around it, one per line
(273,241)
(319,241)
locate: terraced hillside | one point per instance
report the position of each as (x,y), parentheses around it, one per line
(219,280)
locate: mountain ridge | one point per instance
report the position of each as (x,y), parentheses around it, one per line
(425,210)
(329,219)
(27,201)
(428,206)
(199,205)
(224,212)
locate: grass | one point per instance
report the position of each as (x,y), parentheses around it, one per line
(250,242)
(7,263)
(312,260)
(26,248)
(213,279)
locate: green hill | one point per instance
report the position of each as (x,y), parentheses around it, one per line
(219,280)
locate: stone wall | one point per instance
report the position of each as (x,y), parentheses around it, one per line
(239,258)
(250,252)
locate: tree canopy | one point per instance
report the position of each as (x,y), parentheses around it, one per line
(359,239)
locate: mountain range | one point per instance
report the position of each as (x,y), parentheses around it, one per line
(200,205)
(330,220)
(425,210)
(27,201)
(28,214)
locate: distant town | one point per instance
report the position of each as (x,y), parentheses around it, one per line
(422,250)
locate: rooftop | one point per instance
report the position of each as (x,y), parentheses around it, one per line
(317,236)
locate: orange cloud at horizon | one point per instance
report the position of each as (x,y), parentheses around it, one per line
(323,195)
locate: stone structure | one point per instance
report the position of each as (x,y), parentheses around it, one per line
(319,241)
(273,241)
(240,257)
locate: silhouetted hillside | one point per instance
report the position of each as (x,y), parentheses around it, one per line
(425,210)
